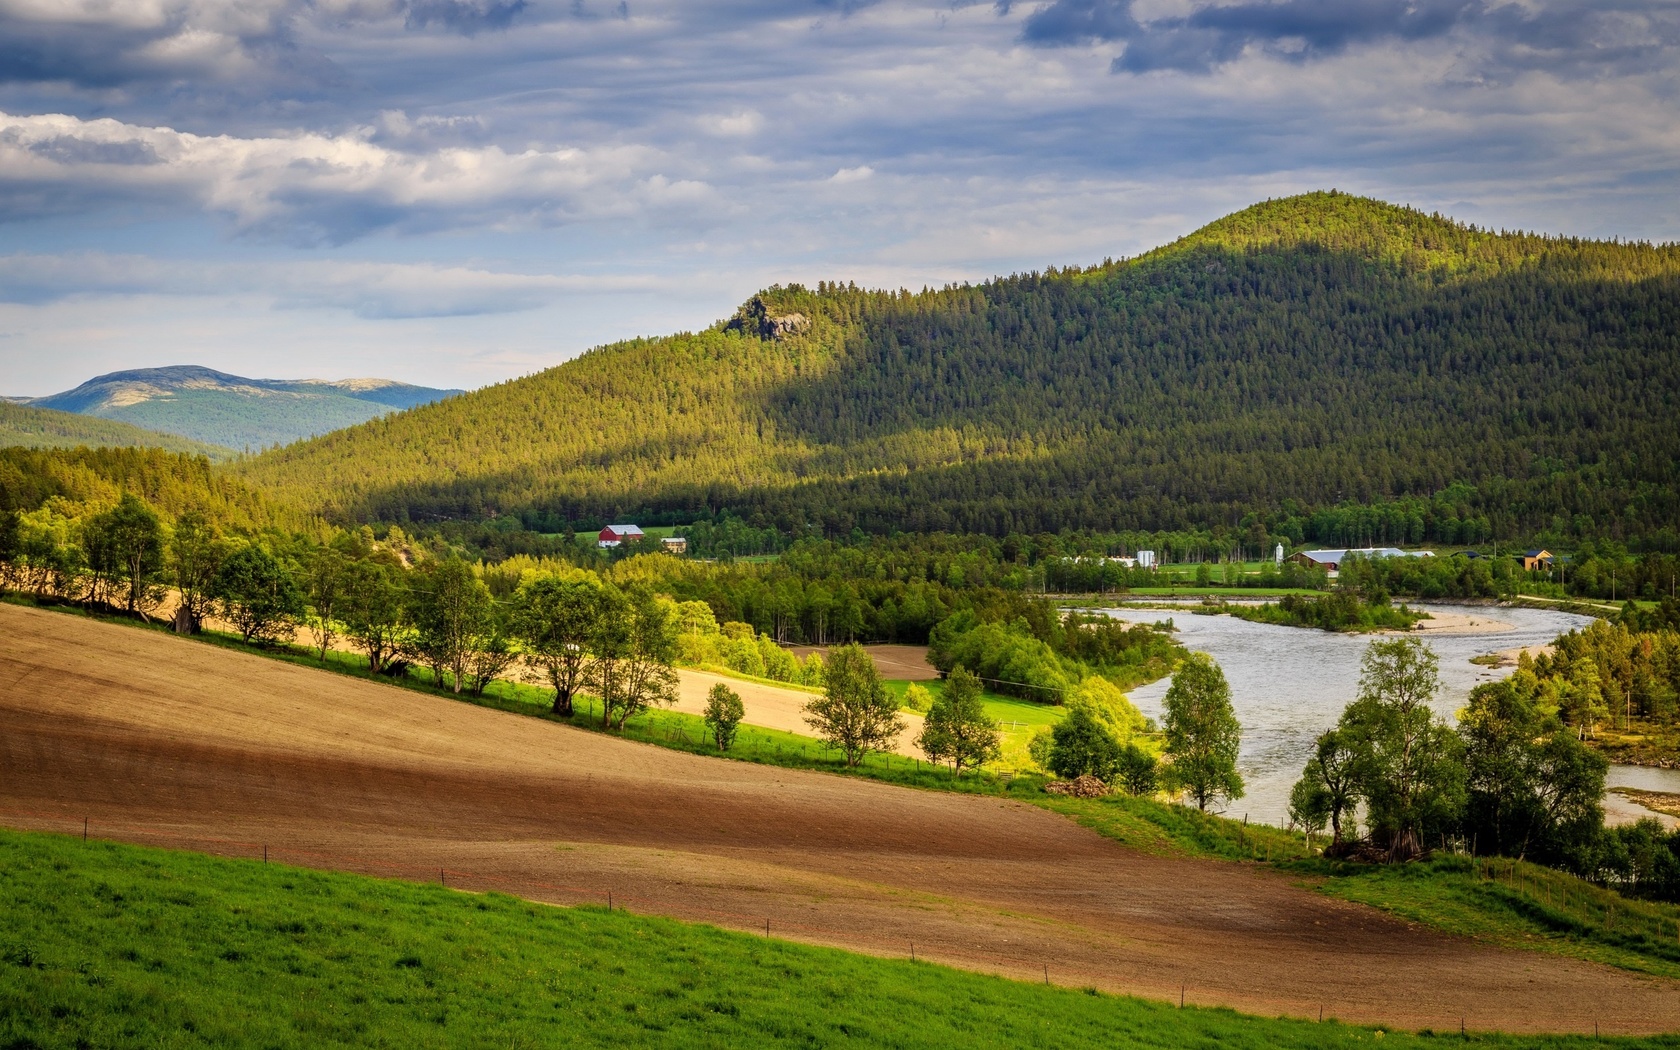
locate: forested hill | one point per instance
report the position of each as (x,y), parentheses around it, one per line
(233,411)
(28,427)
(1318,349)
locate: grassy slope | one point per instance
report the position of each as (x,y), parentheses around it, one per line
(120,946)
(1448,895)
(23,425)
(1518,905)
(1018,720)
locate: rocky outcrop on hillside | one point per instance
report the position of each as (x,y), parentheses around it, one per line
(755,318)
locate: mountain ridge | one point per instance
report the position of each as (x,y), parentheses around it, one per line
(1300,353)
(219,408)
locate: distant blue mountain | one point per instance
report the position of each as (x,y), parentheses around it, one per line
(220,409)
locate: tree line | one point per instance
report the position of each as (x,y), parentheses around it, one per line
(1043,654)
(1513,778)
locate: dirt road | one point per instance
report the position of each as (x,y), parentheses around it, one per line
(159,739)
(773,707)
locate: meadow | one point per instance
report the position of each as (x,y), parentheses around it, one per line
(1451,894)
(121,946)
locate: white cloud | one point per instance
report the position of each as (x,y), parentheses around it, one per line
(742,123)
(724,145)
(369,289)
(342,185)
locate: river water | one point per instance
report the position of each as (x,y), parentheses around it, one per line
(1289,684)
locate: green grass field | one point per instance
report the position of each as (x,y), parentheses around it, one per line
(1012,711)
(106,945)
(1018,720)
(1518,905)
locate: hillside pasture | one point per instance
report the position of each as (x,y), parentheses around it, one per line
(114,945)
(154,739)
(1018,720)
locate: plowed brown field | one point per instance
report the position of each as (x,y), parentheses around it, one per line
(158,739)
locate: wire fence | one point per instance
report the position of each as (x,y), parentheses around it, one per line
(1560,896)
(455,877)
(1167,986)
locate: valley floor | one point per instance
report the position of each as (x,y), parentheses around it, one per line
(156,739)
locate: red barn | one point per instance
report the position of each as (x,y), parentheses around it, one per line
(613,535)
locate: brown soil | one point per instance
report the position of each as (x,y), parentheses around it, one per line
(901,662)
(162,740)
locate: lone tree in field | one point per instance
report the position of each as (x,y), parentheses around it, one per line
(324,575)
(957,729)
(257,594)
(555,619)
(1410,767)
(1203,733)
(855,715)
(374,609)
(195,553)
(1083,745)
(1309,807)
(724,712)
(1137,771)
(634,643)
(1330,781)
(489,651)
(448,607)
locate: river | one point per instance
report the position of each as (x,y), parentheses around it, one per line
(1288,684)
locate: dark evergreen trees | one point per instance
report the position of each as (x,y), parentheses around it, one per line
(1326,350)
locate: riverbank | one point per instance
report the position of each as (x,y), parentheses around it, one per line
(1579,606)
(1640,742)
(1428,618)
(1659,801)
(1288,685)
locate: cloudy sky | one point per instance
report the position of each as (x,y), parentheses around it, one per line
(455,192)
